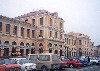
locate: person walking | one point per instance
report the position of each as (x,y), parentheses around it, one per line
(88,59)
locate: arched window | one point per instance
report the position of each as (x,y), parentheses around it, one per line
(21,44)
(6,43)
(22,52)
(80,52)
(14,48)
(40,45)
(6,52)
(56,50)
(0,42)
(40,48)
(0,46)
(32,50)
(27,51)
(50,47)
(14,43)
(32,44)
(60,50)
(27,44)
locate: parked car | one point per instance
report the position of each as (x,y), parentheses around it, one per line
(24,63)
(45,61)
(98,63)
(70,62)
(9,66)
(94,61)
(83,61)
(2,67)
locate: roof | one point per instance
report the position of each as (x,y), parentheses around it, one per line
(39,12)
(78,35)
(13,20)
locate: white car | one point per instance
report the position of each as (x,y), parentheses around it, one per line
(25,65)
(94,60)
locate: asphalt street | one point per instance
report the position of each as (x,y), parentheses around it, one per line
(89,68)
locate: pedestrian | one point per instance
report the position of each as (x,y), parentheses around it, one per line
(88,59)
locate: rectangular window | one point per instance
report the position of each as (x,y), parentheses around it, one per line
(65,39)
(15,30)
(69,41)
(22,31)
(60,36)
(0,27)
(33,33)
(44,57)
(50,33)
(50,22)
(8,28)
(41,21)
(60,25)
(33,21)
(41,33)
(55,34)
(80,42)
(33,57)
(28,32)
(74,42)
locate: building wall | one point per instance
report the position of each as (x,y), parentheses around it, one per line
(70,42)
(39,41)
(82,44)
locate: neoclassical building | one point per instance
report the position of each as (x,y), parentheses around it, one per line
(78,44)
(34,32)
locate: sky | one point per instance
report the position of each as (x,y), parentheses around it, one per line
(80,16)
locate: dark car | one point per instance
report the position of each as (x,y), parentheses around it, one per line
(83,61)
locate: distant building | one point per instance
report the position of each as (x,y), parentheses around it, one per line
(98,50)
(34,32)
(79,44)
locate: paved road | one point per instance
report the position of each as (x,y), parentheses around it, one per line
(89,68)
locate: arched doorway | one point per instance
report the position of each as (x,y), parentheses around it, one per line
(27,48)
(50,47)
(33,48)
(22,49)
(6,48)
(40,48)
(14,44)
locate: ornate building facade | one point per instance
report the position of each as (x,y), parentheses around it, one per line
(34,32)
(79,44)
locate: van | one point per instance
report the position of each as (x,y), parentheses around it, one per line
(45,61)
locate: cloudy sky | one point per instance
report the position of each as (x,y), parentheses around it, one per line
(80,15)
